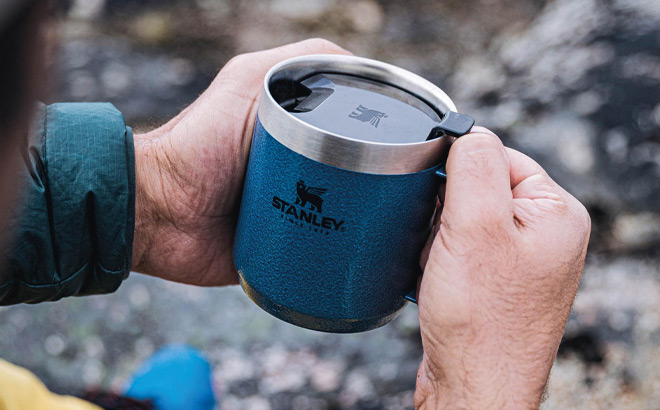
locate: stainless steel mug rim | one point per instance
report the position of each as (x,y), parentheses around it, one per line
(345,152)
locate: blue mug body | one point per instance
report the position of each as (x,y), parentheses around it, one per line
(327,248)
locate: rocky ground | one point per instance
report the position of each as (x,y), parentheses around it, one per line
(573,83)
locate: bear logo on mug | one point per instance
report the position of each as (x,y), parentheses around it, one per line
(311,195)
(304,215)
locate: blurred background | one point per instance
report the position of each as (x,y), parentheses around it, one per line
(573,83)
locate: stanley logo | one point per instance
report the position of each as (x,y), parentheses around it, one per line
(306,211)
(364,114)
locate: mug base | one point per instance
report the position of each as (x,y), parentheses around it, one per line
(338,325)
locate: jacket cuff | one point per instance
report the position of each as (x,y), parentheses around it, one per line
(75,233)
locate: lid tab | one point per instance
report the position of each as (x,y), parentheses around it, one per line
(455,124)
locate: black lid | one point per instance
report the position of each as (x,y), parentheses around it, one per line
(359,108)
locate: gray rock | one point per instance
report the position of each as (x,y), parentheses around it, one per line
(633,231)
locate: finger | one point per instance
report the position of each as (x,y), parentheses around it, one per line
(241,79)
(424,257)
(426,252)
(442,192)
(537,199)
(529,180)
(522,167)
(250,69)
(478,180)
(482,130)
(310,46)
(436,216)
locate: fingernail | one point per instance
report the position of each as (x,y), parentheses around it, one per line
(482,130)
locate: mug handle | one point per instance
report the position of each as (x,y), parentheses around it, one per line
(454,125)
(412,296)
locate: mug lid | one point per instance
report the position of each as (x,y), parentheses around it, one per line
(359,114)
(361,109)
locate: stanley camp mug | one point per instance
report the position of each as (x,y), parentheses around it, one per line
(341,186)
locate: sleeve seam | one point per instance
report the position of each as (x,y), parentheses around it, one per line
(49,200)
(130,212)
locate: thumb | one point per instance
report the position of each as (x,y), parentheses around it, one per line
(248,70)
(478,181)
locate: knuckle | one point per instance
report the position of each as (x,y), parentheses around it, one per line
(236,61)
(584,217)
(318,43)
(577,213)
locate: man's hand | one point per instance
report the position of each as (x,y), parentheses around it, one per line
(500,277)
(189,174)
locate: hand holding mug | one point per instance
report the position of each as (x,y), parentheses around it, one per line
(500,276)
(189,174)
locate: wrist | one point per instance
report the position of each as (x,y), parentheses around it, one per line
(475,387)
(147,220)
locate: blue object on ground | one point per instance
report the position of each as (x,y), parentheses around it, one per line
(176,377)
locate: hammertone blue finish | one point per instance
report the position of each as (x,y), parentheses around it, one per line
(348,276)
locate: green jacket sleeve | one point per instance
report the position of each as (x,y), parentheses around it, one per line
(74,235)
